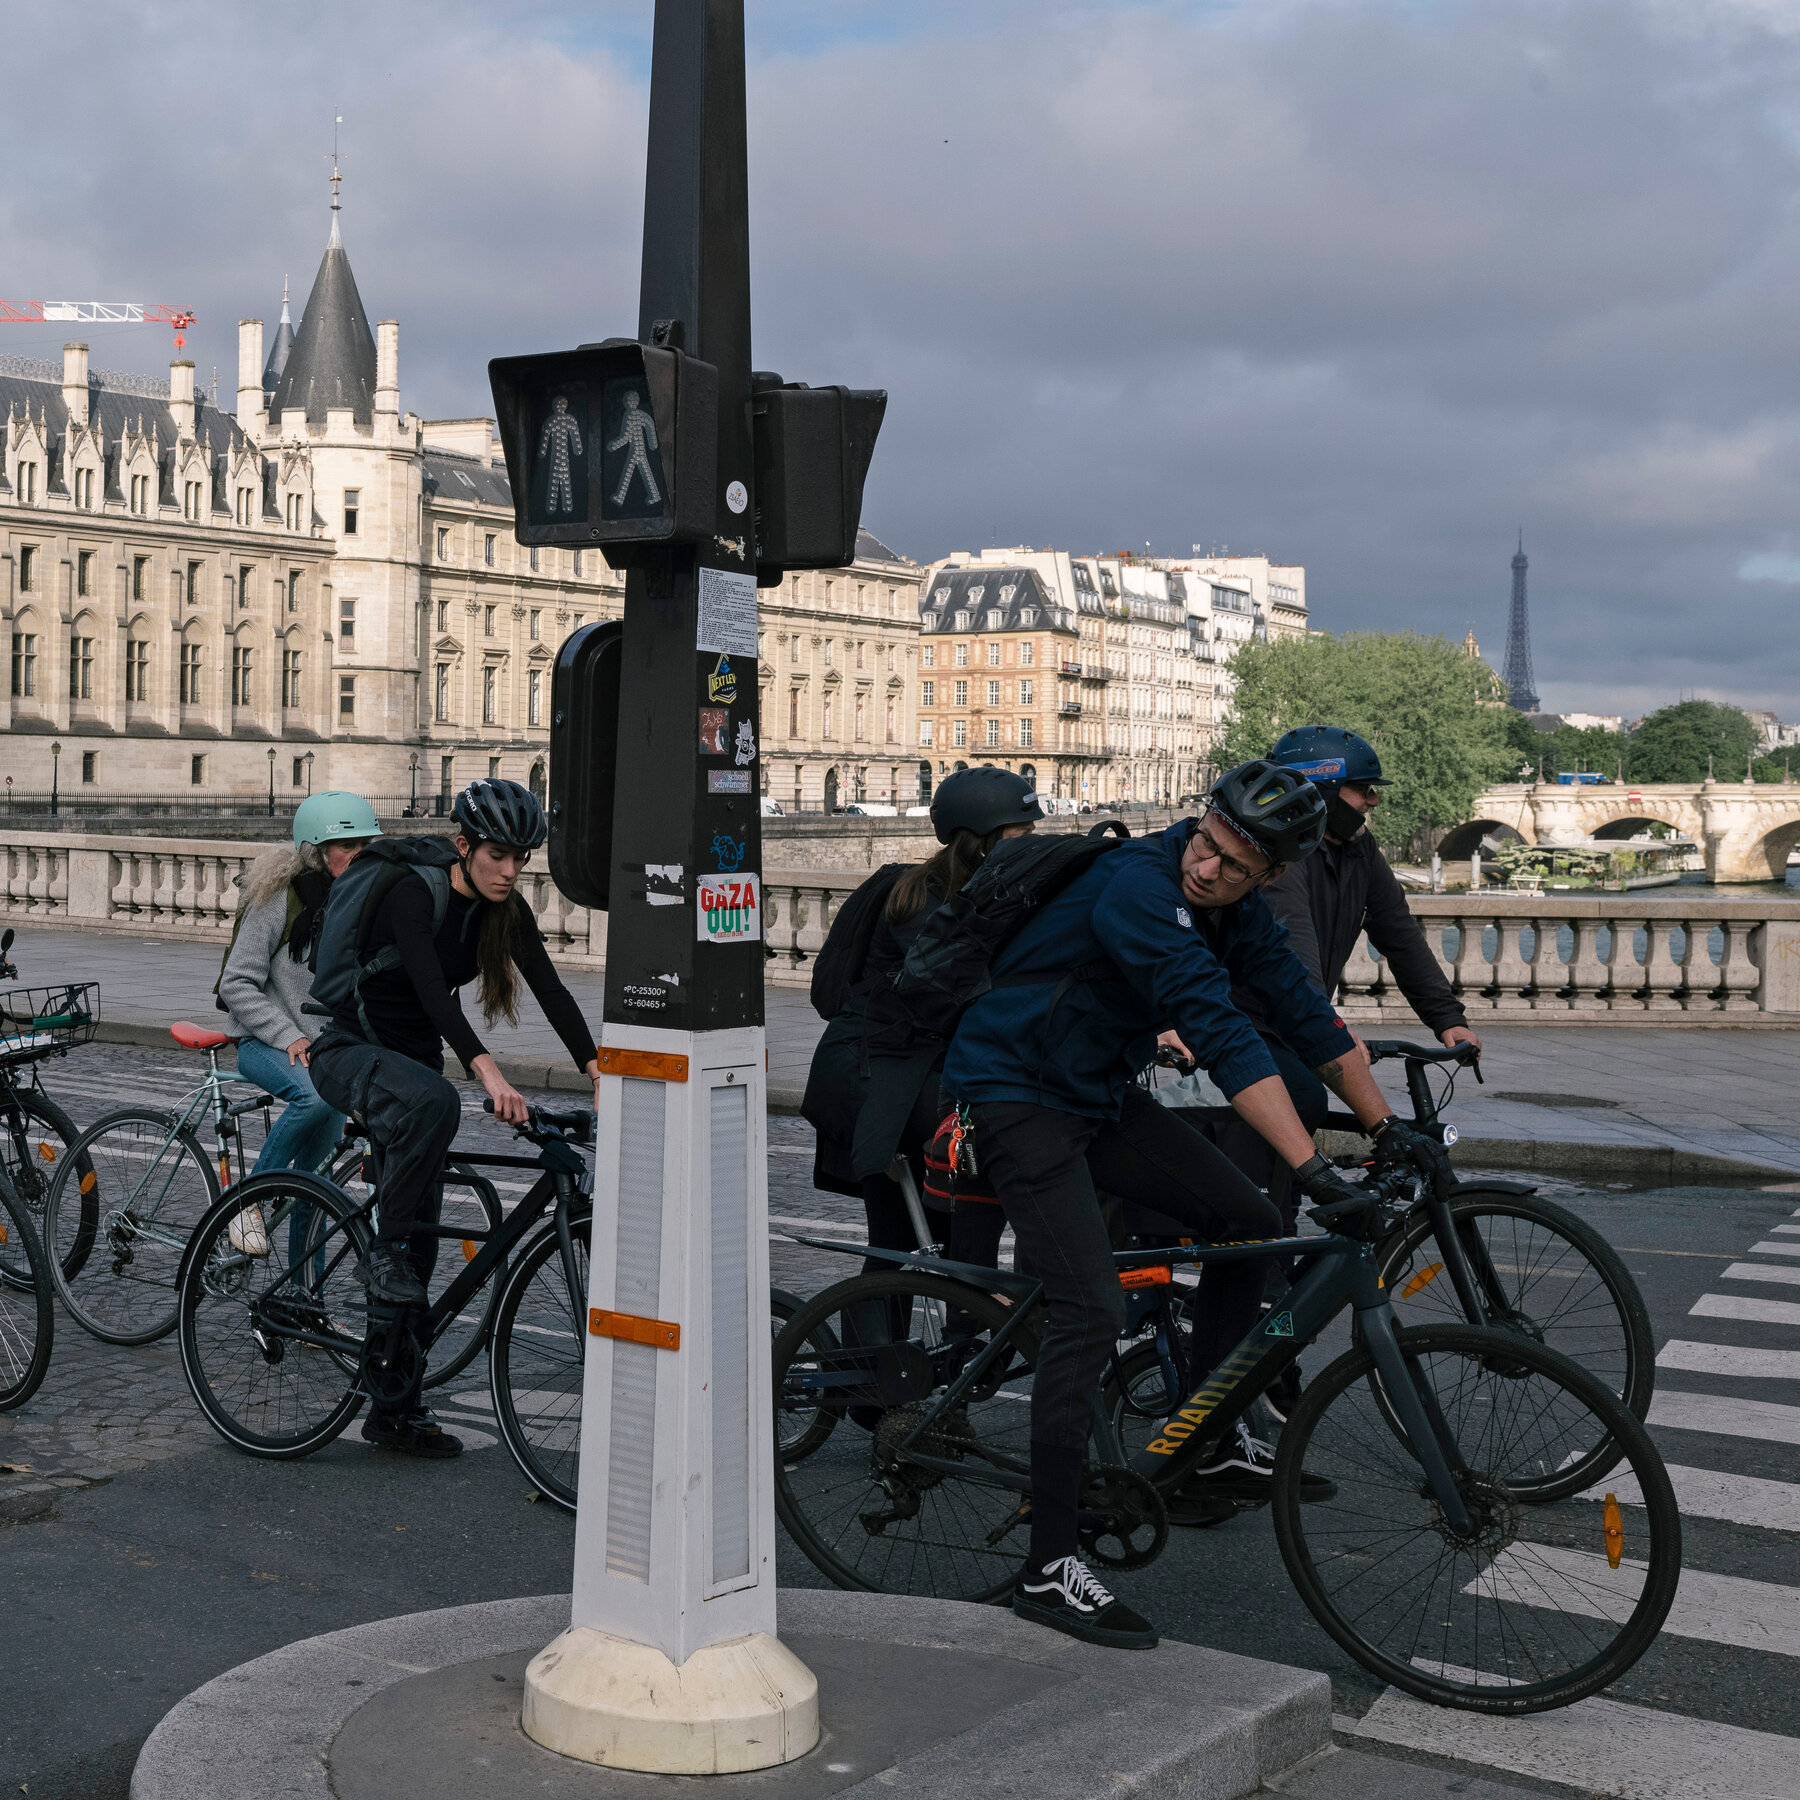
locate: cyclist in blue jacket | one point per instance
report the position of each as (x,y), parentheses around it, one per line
(1159,931)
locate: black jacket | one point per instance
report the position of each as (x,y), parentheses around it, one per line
(1338,892)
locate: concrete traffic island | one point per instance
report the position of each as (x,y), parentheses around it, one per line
(915,1695)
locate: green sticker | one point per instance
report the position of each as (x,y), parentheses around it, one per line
(1282,1325)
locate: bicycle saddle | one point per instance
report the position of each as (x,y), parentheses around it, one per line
(197,1037)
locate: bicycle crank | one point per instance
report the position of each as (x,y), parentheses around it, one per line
(391,1360)
(1123,1523)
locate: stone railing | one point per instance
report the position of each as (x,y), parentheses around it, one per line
(1665,953)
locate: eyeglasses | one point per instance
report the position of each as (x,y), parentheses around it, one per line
(1230,868)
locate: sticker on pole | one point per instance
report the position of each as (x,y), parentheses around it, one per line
(727,613)
(730,910)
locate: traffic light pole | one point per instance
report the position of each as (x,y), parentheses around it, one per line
(671,1663)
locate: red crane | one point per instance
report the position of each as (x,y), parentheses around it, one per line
(96,312)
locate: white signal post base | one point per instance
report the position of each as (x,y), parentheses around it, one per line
(671,1665)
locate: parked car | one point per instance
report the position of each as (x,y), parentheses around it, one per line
(771,809)
(869,809)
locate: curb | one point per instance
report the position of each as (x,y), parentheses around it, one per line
(1663,1165)
(1176,1719)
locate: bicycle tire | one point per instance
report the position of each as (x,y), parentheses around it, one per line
(1544,1571)
(1602,1323)
(31,1166)
(27,1314)
(105,1301)
(821,1501)
(224,1298)
(799,1431)
(537,1391)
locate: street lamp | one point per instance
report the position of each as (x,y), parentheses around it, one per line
(55,767)
(271,781)
(412,802)
(309,757)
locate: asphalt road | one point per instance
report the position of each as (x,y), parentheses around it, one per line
(167,1558)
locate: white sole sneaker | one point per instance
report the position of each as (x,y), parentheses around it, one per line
(247,1233)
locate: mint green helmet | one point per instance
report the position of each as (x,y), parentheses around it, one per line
(324,818)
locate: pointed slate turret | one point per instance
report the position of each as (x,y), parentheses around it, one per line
(332,363)
(281,349)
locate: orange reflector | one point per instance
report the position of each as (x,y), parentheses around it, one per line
(4,1239)
(1160,1276)
(47,1152)
(87,1182)
(469,1248)
(224,1171)
(1615,1531)
(631,1329)
(1423,1279)
(648,1065)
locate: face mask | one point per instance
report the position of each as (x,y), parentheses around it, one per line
(1342,819)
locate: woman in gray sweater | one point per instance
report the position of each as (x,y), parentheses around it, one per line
(268,975)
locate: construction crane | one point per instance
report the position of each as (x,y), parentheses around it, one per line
(96,312)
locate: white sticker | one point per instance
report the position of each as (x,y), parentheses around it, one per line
(737,496)
(746,743)
(730,910)
(727,622)
(662,884)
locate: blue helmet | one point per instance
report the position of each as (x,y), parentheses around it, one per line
(1328,756)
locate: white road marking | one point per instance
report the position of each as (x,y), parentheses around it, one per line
(1602,1745)
(1770,1248)
(1726,1416)
(1712,1494)
(1753,1309)
(832,1227)
(1790,1228)
(1788,1277)
(1729,1359)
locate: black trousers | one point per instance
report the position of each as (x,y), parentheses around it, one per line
(1045,1165)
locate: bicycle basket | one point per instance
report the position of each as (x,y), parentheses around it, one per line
(36,1019)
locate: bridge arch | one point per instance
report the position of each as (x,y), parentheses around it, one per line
(1462,841)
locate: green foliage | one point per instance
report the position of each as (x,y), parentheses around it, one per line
(1420,701)
(1676,743)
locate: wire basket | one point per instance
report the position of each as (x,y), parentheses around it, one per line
(36,1019)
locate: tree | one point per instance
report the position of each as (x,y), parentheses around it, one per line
(1431,713)
(1679,743)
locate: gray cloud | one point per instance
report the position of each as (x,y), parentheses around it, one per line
(1367,285)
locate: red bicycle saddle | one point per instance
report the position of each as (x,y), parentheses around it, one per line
(196,1037)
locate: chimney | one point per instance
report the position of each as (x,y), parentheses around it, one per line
(75,382)
(387,367)
(181,398)
(250,361)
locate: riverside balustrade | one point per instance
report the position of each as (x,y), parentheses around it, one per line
(1669,954)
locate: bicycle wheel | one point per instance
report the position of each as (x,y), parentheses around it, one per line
(27,1312)
(862,1506)
(148,1186)
(1562,1284)
(536,1362)
(1544,1603)
(270,1344)
(36,1136)
(801,1423)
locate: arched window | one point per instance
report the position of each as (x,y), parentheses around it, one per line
(539,785)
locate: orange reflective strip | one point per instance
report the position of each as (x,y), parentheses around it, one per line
(630,1328)
(1160,1276)
(468,1249)
(647,1065)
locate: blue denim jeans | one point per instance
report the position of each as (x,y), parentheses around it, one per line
(306,1131)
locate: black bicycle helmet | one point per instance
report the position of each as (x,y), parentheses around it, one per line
(1278,810)
(982,800)
(501,812)
(1328,756)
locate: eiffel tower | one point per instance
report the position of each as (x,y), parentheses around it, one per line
(1517,673)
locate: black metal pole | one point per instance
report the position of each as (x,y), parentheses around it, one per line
(677,812)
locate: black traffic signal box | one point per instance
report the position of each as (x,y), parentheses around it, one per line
(614,443)
(584,761)
(812,450)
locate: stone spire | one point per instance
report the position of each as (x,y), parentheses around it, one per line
(332,362)
(282,347)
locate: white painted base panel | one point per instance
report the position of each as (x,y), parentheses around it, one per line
(1726,1416)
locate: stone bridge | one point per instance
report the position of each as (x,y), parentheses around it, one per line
(1746,829)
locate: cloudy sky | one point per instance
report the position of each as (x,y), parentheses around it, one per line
(1365,284)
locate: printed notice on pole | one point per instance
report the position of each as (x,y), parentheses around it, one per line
(727,613)
(730,909)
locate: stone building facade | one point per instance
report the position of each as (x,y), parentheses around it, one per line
(839,653)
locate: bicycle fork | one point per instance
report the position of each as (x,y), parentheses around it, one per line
(1416,1407)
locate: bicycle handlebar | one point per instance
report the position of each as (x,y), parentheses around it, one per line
(1384,1049)
(576,1125)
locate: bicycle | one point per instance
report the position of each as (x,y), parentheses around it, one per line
(35,1133)
(282,1350)
(1444,1551)
(127,1197)
(27,1306)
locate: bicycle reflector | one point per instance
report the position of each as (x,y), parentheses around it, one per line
(1615,1532)
(1421,1281)
(47,1152)
(468,1245)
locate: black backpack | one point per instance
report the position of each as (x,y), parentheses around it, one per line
(839,965)
(950,962)
(343,962)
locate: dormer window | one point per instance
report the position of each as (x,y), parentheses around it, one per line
(27,483)
(191,492)
(976,592)
(996,618)
(941,597)
(1007,592)
(296,504)
(963,620)
(84,489)
(1028,615)
(246,505)
(140,494)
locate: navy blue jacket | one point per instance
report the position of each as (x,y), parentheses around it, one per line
(1176,969)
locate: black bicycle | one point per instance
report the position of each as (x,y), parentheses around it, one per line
(282,1350)
(27,1305)
(1441,1545)
(36,1135)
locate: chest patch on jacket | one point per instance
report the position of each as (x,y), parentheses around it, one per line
(1184,918)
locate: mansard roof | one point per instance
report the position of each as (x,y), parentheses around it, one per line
(450,476)
(870,548)
(988,598)
(116,403)
(332,360)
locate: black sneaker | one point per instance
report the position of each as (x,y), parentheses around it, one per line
(389,1275)
(1067,1598)
(1242,1468)
(418,1434)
